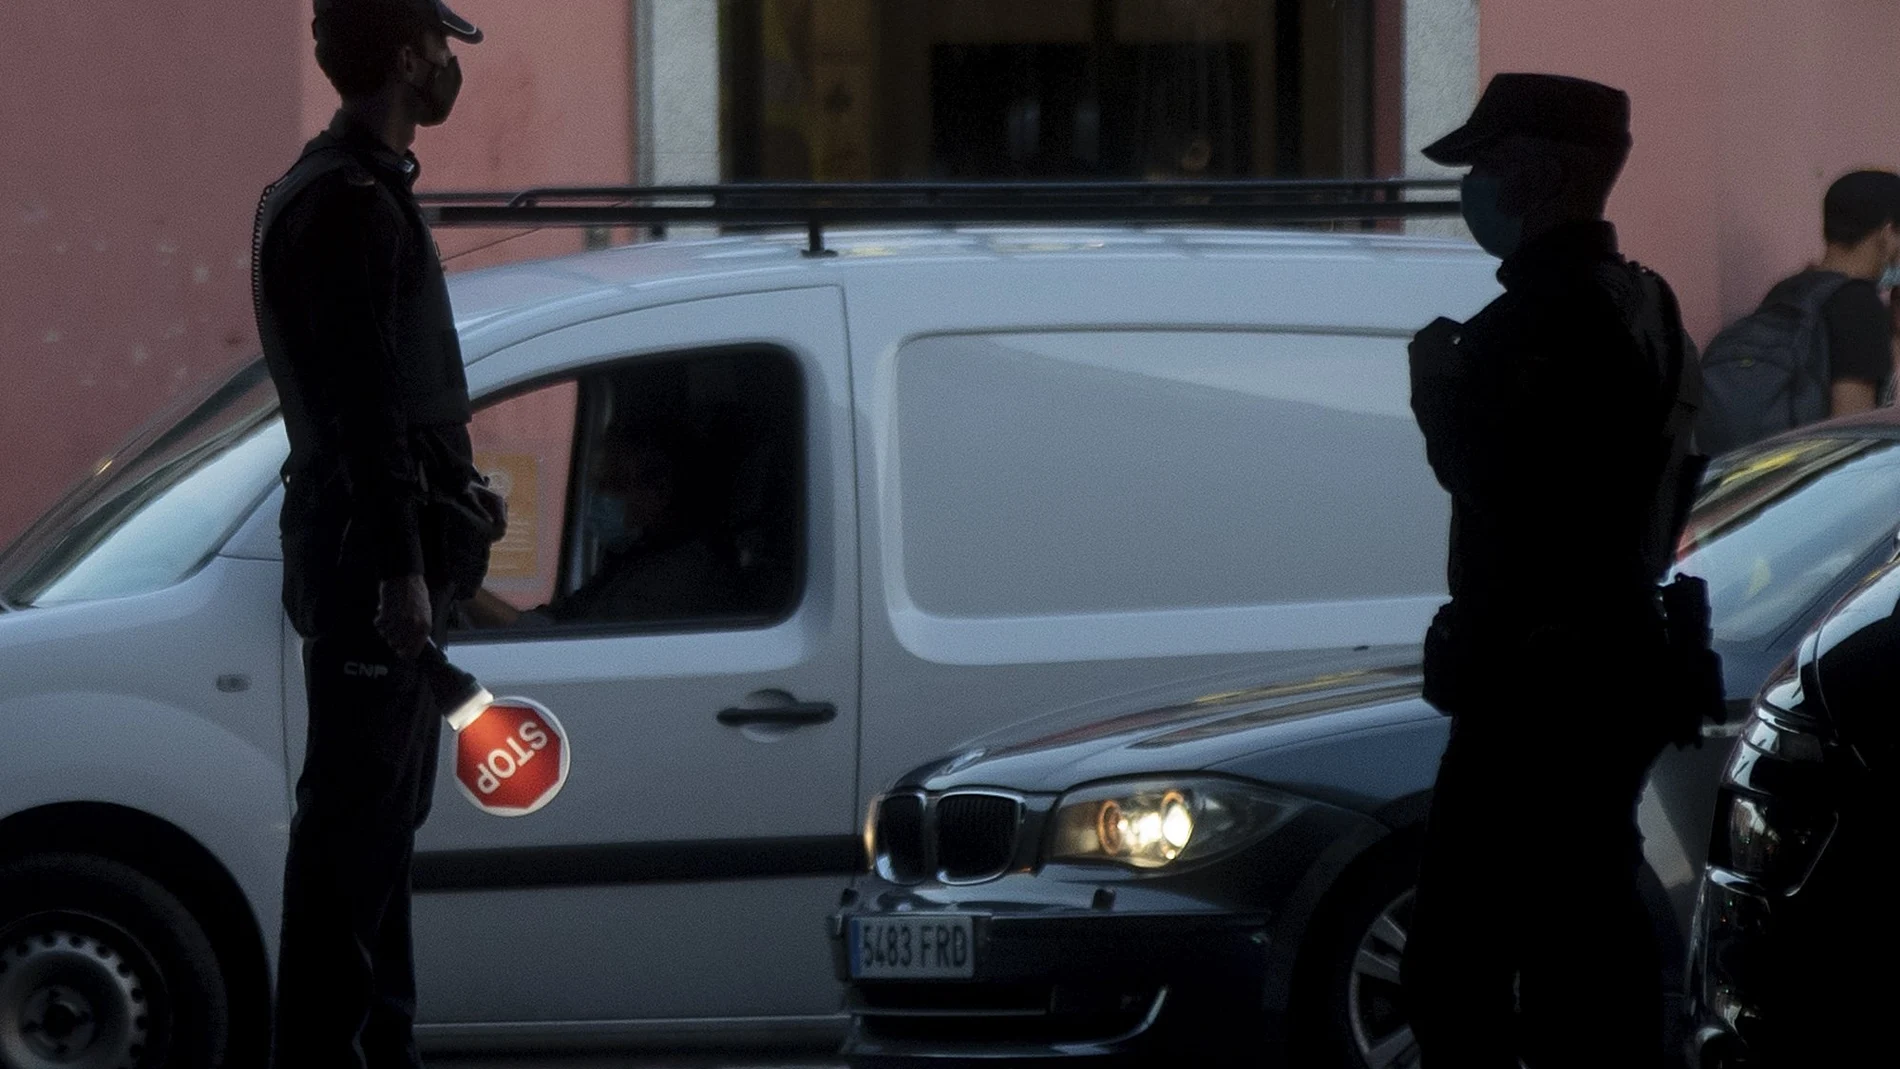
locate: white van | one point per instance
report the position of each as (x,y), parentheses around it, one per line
(941,481)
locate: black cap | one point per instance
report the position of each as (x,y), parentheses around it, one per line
(1550,106)
(431,13)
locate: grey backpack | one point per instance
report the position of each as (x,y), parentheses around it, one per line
(1768,371)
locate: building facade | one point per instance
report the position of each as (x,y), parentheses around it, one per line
(137,137)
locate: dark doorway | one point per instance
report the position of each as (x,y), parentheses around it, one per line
(1078,111)
(868,90)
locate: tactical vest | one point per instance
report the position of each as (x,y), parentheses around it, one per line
(430,386)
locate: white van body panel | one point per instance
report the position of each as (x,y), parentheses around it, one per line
(933,679)
(117,701)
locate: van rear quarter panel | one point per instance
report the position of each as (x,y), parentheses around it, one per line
(1047,521)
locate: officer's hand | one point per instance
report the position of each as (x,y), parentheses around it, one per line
(402,614)
(1434,350)
(493,505)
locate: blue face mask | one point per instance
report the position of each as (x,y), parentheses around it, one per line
(1890,278)
(1499,234)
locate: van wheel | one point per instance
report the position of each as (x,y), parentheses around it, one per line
(101,967)
(1353,1011)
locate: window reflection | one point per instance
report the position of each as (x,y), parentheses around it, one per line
(1776,526)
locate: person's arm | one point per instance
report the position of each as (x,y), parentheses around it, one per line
(352,243)
(1848,396)
(1442,402)
(1859,348)
(487,609)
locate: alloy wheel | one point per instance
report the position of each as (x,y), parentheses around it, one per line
(1375,1004)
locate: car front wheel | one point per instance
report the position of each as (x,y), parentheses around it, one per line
(102,967)
(1375,1009)
(1353,1015)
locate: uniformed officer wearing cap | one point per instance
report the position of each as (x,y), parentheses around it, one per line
(360,339)
(1551,418)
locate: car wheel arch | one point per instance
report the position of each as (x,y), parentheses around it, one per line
(1340,874)
(1331,897)
(1333,873)
(1406,817)
(182,865)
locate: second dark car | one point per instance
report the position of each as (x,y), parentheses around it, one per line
(1792,930)
(1225,870)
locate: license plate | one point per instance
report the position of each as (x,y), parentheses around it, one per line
(940,947)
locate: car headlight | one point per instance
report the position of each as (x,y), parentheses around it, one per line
(1158,823)
(868,834)
(1769,842)
(1753,841)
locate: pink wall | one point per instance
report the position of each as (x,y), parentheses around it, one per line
(1744,113)
(137,137)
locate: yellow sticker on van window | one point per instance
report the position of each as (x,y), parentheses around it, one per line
(515,476)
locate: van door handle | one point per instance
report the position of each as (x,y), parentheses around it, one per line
(794,715)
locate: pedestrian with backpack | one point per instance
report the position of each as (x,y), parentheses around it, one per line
(1821,344)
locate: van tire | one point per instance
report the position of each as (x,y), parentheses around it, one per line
(1332,1023)
(94,951)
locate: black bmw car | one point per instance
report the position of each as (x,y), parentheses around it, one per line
(1224,872)
(1794,931)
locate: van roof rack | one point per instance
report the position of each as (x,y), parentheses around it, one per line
(817,205)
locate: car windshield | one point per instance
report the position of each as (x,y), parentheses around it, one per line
(1775,526)
(154,512)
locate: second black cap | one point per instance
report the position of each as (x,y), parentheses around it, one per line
(1550,106)
(424,12)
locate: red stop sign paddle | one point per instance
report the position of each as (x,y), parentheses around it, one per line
(511,758)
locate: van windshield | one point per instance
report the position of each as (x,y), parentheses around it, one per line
(151,514)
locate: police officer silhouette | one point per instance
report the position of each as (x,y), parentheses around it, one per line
(356,326)
(1557,419)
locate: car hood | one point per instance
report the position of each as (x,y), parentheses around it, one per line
(1848,664)
(1199,726)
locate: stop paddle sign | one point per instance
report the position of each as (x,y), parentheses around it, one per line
(511,758)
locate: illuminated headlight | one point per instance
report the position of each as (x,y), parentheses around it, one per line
(1154,824)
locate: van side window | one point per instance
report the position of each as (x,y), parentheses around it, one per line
(1107,471)
(659,494)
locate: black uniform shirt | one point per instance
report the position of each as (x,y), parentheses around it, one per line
(1545,430)
(361,342)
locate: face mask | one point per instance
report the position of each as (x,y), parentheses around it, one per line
(1890,278)
(1499,234)
(607,519)
(439,93)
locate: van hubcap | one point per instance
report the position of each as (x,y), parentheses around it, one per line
(70,1000)
(1375,1007)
